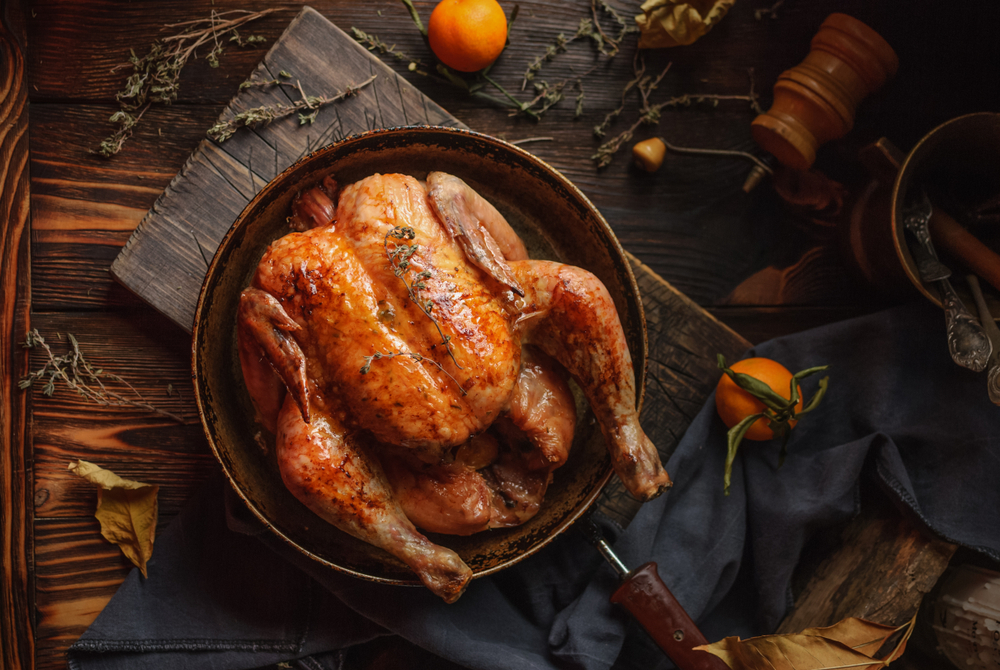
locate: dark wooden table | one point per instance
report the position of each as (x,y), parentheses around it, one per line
(758,266)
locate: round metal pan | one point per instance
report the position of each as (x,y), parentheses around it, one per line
(556,221)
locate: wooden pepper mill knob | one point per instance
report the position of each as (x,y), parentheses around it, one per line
(814,102)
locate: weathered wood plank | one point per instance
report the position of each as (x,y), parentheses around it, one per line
(165,259)
(134,442)
(17,628)
(883,566)
(76,573)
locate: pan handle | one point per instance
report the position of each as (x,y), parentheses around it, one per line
(649,600)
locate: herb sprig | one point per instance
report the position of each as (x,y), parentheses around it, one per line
(79,375)
(649,113)
(399,255)
(263,115)
(399,259)
(155,77)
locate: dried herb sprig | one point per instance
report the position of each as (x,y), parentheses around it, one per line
(649,114)
(261,116)
(399,259)
(589,28)
(376,43)
(378,355)
(584,29)
(253,83)
(155,77)
(399,255)
(79,375)
(639,79)
(624,28)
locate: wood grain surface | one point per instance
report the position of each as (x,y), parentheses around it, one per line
(754,262)
(16,617)
(880,571)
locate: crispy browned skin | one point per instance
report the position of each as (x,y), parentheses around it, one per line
(337,284)
(579,327)
(485,237)
(334,317)
(337,480)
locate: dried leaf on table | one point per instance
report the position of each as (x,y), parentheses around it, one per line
(671,23)
(851,643)
(126,510)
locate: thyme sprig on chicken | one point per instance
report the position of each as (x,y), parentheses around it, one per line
(399,255)
(399,258)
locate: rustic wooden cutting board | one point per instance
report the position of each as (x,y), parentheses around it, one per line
(165,260)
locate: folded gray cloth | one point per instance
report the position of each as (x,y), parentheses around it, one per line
(223,593)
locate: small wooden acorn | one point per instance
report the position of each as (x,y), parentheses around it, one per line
(815,101)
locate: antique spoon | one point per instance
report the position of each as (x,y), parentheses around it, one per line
(990,326)
(967,342)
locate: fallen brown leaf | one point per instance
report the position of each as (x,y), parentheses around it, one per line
(126,509)
(851,643)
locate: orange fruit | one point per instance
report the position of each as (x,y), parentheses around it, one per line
(467,35)
(734,404)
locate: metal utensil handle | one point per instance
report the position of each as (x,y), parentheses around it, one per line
(967,341)
(649,600)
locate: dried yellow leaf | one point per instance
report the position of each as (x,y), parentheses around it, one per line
(126,509)
(851,643)
(671,23)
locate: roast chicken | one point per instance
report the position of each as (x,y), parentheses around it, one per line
(411,361)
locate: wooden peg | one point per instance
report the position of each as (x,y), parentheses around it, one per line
(815,101)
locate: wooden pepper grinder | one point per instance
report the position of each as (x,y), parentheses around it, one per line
(814,102)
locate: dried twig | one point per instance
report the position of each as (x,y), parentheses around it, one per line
(155,77)
(587,28)
(375,43)
(79,375)
(649,114)
(261,116)
(639,69)
(526,140)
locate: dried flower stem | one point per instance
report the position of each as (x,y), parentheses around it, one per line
(264,115)
(80,376)
(650,114)
(155,77)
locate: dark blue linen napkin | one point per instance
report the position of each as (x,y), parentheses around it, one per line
(223,593)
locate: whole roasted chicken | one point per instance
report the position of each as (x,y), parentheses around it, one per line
(411,361)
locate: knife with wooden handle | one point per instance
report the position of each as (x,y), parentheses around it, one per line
(648,599)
